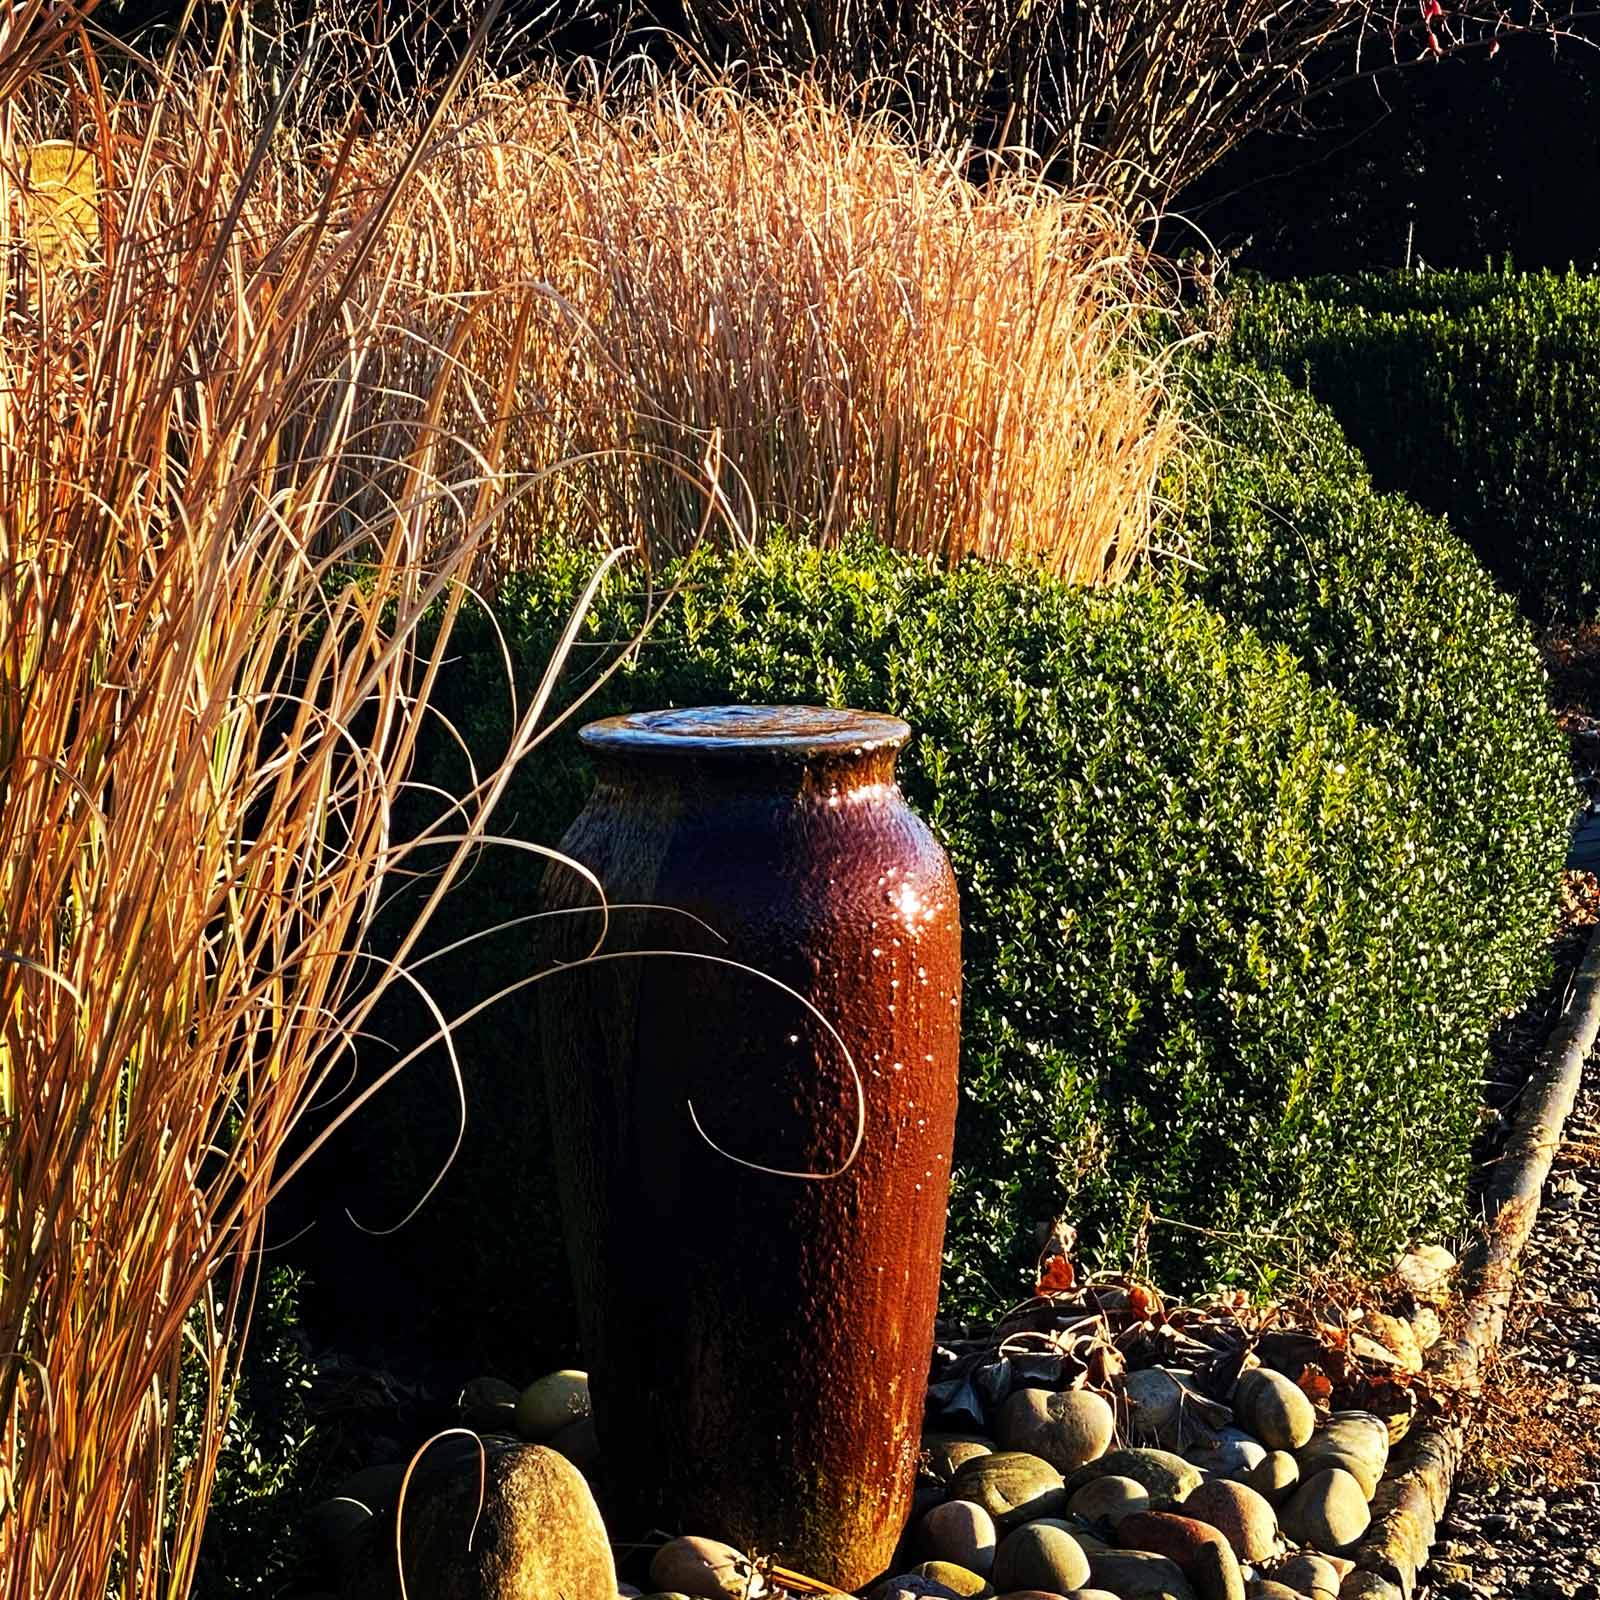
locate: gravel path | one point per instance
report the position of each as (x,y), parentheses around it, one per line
(1525,1518)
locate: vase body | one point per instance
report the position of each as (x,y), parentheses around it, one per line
(757,1342)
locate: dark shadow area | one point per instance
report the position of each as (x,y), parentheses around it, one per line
(1448,165)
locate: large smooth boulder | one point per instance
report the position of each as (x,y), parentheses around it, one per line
(1108,1500)
(1199,1549)
(1166,1478)
(1274,1478)
(1273,1409)
(1328,1511)
(1065,1428)
(962,1532)
(944,1453)
(1131,1573)
(1012,1486)
(1245,1518)
(552,1403)
(707,1568)
(1041,1555)
(538,1532)
(1357,1441)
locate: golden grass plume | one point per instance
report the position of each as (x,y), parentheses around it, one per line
(212,680)
(866,336)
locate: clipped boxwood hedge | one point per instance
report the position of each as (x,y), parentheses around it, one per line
(1474,393)
(1215,962)
(1383,604)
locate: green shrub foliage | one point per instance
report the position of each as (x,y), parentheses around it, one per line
(1213,950)
(1474,393)
(1381,603)
(251,1541)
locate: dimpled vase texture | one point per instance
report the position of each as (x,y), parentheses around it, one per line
(758,1342)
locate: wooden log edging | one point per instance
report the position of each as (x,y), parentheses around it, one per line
(1412,1497)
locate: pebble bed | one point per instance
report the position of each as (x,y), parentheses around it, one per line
(1096,1443)
(1525,1518)
(1100,1444)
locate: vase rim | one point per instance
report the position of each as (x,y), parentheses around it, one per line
(746,732)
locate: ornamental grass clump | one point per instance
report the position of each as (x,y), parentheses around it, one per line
(859,332)
(205,725)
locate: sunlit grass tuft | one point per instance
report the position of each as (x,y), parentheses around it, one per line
(867,336)
(210,692)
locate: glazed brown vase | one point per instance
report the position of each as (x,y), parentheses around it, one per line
(757,1340)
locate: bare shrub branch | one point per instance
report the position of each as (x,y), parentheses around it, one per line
(1134,97)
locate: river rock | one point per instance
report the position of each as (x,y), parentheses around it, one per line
(1050,1594)
(340,1529)
(1232,1453)
(1357,1441)
(1012,1486)
(1275,1410)
(1426,1327)
(912,1586)
(1041,1555)
(1108,1500)
(1243,1517)
(538,1532)
(1397,1336)
(1166,1478)
(959,1580)
(1131,1573)
(1271,1589)
(1199,1549)
(377,1488)
(489,1405)
(943,1453)
(1328,1511)
(1155,1406)
(1274,1477)
(579,1443)
(1426,1271)
(552,1403)
(1311,1574)
(1369,1586)
(960,1531)
(707,1569)
(1064,1428)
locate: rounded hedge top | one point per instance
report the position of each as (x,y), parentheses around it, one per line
(1474,393)
(1212,1000)
(1381,603)
(1248,861)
